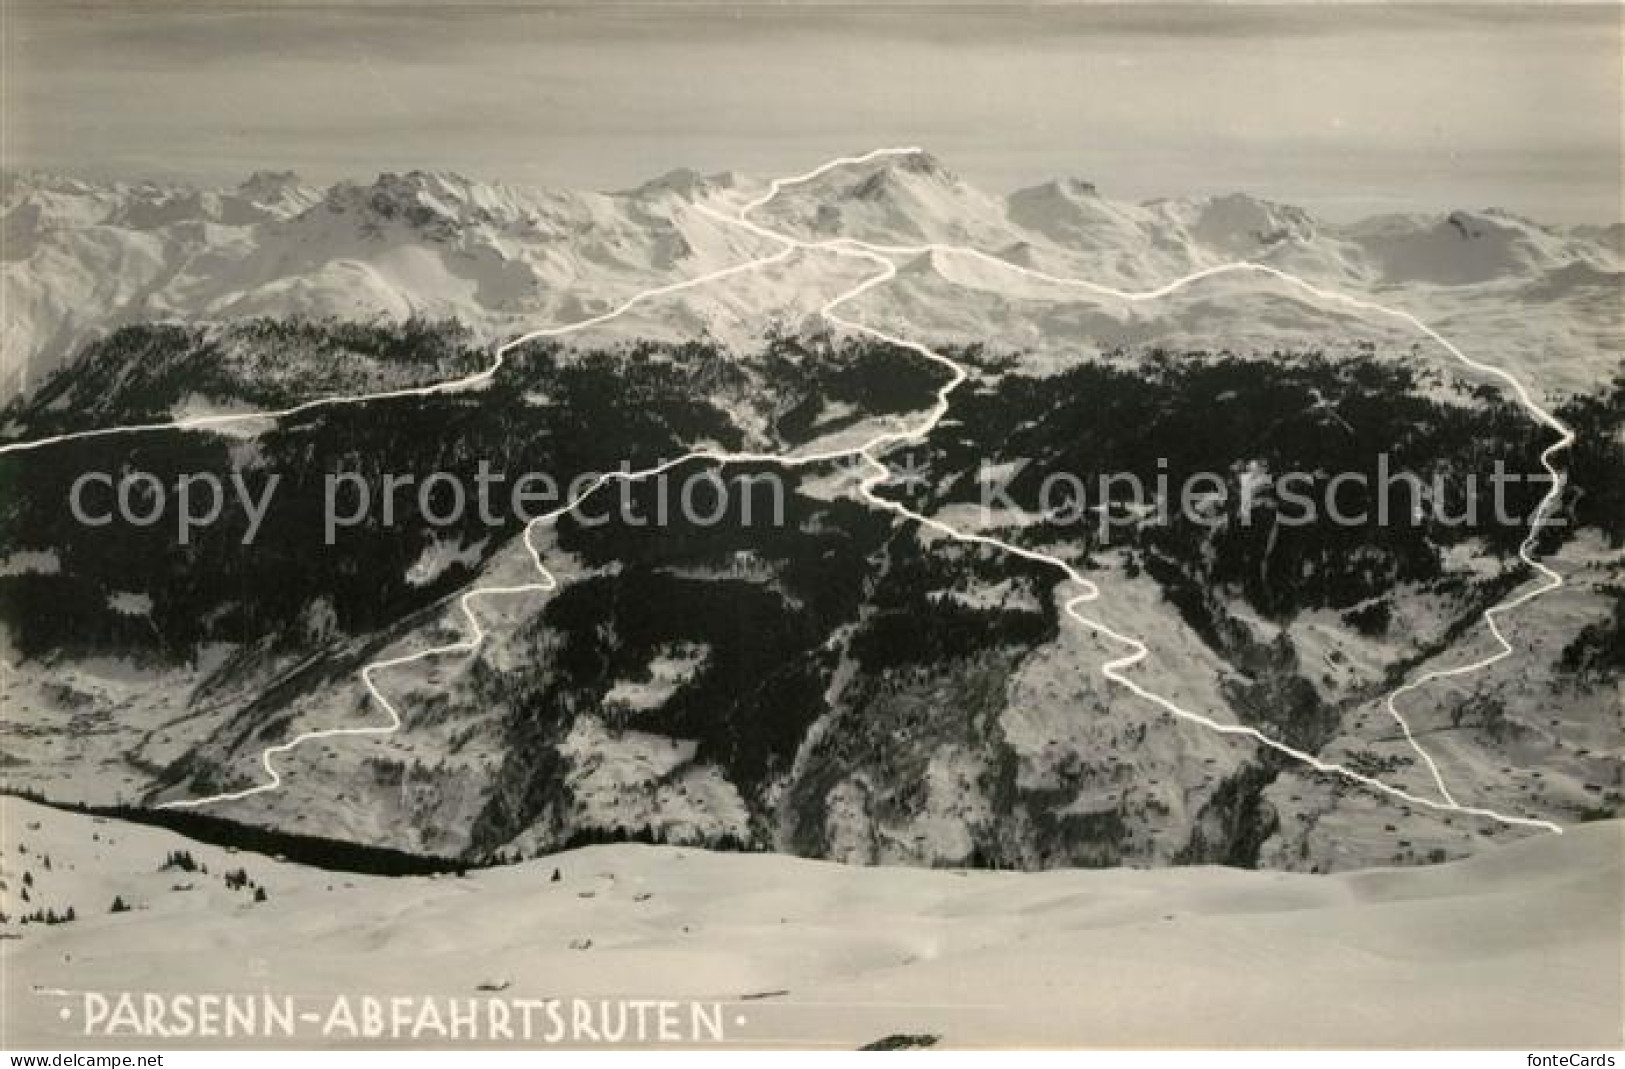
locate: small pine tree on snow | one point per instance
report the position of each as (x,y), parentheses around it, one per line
(180,859)
(119,905)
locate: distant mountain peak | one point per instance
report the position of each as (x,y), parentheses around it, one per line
(1058,207)
(274,194)
(270,182)
(425,182)
(921,162)
(432,202)
(1465,225)
(1068,186)
(1234,222)
(684,182)
(1499,219)
(892,173)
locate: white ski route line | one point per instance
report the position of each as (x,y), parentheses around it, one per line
(879,474)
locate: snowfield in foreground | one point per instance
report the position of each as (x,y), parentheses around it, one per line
(1517,947)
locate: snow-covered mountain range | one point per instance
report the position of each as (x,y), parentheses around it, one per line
(82,257)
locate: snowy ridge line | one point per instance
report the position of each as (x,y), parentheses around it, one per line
(880,474)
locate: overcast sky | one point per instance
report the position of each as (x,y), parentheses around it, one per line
(1347,110)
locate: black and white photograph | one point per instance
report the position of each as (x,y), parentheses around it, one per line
(927,525)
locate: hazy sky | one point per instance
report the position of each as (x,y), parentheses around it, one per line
(1348,110)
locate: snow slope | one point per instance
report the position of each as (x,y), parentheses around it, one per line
(1519,947)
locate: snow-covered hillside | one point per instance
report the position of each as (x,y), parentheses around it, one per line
(1519,947)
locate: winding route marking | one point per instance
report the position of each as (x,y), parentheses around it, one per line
(879,474)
